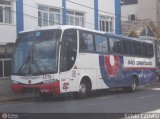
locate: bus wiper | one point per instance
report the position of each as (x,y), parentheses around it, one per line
(24,63)
(36,65)
(29,60)
(34,62)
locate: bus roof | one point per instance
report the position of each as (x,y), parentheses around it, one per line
(63,27)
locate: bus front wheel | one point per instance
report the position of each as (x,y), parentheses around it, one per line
(84,89)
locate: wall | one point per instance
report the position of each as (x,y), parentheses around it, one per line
(8,33)
(147,9)
(30,11)
(109,7)
(150,10)
(30,22)
(128,10)
(89,13)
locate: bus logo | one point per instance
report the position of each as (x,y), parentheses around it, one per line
(29,81)
(112,65)
(4,116)
(65,86)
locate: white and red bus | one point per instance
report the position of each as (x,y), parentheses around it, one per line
(62,59)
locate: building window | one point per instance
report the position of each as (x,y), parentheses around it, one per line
(6,11)
(75,18)
(132,17)
(48,16)
(106,23)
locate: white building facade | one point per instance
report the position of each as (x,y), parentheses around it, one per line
(129,12)
(19,15)
(7,21)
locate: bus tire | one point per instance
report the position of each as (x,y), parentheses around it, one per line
(133,85)
(84,89)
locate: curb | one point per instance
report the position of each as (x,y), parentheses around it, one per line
(155,85)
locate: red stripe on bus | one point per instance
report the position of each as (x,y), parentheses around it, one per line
(53,88)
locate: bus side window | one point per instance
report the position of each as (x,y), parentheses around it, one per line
(127,49)
(144,50)
(134,49)
(137,48)
(105,44)
(68,49)
(150,50)
(115,45)
(101,44)
(86,42)
(98,43)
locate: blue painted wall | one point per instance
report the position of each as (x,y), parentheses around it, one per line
(96,15)
(19,16)
(64,12)
(118,17)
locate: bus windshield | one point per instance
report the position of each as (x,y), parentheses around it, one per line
(36,52)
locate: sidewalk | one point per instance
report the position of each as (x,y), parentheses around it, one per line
(7,95)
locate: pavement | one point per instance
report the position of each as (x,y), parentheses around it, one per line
(7,95)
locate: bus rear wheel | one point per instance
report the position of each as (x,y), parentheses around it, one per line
(133,85)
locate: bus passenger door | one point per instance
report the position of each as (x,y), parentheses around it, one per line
(67,59)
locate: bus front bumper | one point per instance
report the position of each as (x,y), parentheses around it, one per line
(52,88)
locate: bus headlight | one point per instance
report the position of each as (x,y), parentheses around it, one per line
(49,81)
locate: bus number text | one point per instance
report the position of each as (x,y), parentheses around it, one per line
(47,76)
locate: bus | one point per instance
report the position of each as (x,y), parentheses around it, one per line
(63,59)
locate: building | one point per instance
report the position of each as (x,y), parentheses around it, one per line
(5,59)
(142,18)
(140,28)
(19,15)
(141,10)
(7,21)
(129,10)
(149,10)
(144,30)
